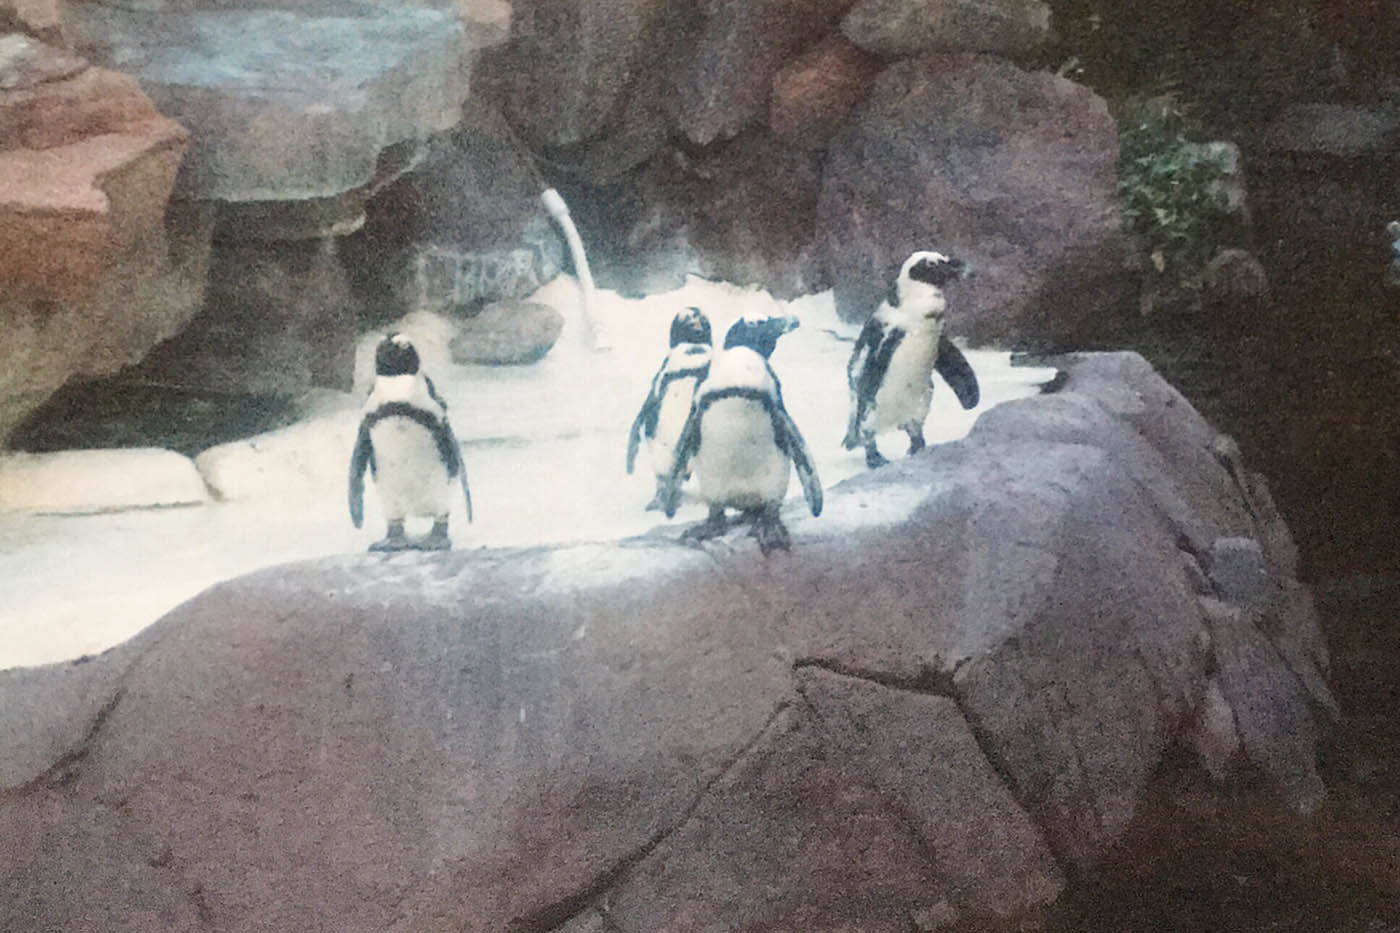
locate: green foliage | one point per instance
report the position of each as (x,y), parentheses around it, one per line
(1163,183)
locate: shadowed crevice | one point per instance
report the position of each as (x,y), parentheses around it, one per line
(552,916)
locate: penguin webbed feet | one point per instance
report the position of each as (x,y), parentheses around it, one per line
(768,529)
(393,540)
(436,539)
(873,458)
(916,438)
(714,525)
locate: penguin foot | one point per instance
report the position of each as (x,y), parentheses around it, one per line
(712,527)
(771,533)
(435,540)
(873,458)
(393,539)
(916,441)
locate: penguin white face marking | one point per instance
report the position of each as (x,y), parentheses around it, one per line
(921,280)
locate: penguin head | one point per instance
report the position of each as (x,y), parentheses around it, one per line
(395,356)
(690,326)
(759,334)
(922,278)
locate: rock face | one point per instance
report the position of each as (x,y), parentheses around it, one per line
(278,318)
(507,333)
(96,270)
(285,104)
(1012,170)
(299,115)
(952,692)
(573,64)
(741,211)
(723,84)
(813,94)
(896,28)
(466,226)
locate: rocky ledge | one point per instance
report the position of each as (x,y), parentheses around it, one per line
(948,698)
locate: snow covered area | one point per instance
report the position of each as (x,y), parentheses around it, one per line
(544,446)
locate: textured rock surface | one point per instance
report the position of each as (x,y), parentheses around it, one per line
(507,333)
(894,28)
(40,18)
(464,227)
(723,83)
(286,104)
(99,480)
(277,319)
(1014,171)
(952,692)
(96,271)
(741,212)
(572,64)
(814,92)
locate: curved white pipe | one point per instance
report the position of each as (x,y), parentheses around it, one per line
(554,203)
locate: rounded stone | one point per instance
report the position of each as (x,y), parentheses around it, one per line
(507,333)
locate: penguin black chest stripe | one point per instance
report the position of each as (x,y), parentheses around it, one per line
(654,413)
(771,404)
(447,447)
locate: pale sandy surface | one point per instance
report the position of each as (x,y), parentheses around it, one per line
(544,446)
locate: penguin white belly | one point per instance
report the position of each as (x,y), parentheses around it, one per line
(905,392)
(409,473)
(675,408)
(738,463)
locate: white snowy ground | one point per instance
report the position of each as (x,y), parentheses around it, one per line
(544,446)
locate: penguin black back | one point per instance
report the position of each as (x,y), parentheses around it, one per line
(758,334)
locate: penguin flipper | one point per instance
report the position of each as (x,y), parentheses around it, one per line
(790,440)
(634,435)
(686,446)
(359,459)
(451,453)
(867,373)
(646,417)
(953,366)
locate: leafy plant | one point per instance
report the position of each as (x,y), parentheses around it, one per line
(1164,180)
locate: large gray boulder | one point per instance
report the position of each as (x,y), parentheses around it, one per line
(1012,170)
(948,696)
(572,65)
(723,82)
(464,227)
(297,114)
(286,104)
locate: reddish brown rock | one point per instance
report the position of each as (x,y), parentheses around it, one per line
(41,18)
(816,91)
(90,278)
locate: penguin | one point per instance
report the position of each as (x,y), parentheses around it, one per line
(408,445)
(741,441)
(889,369)
(664,412)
